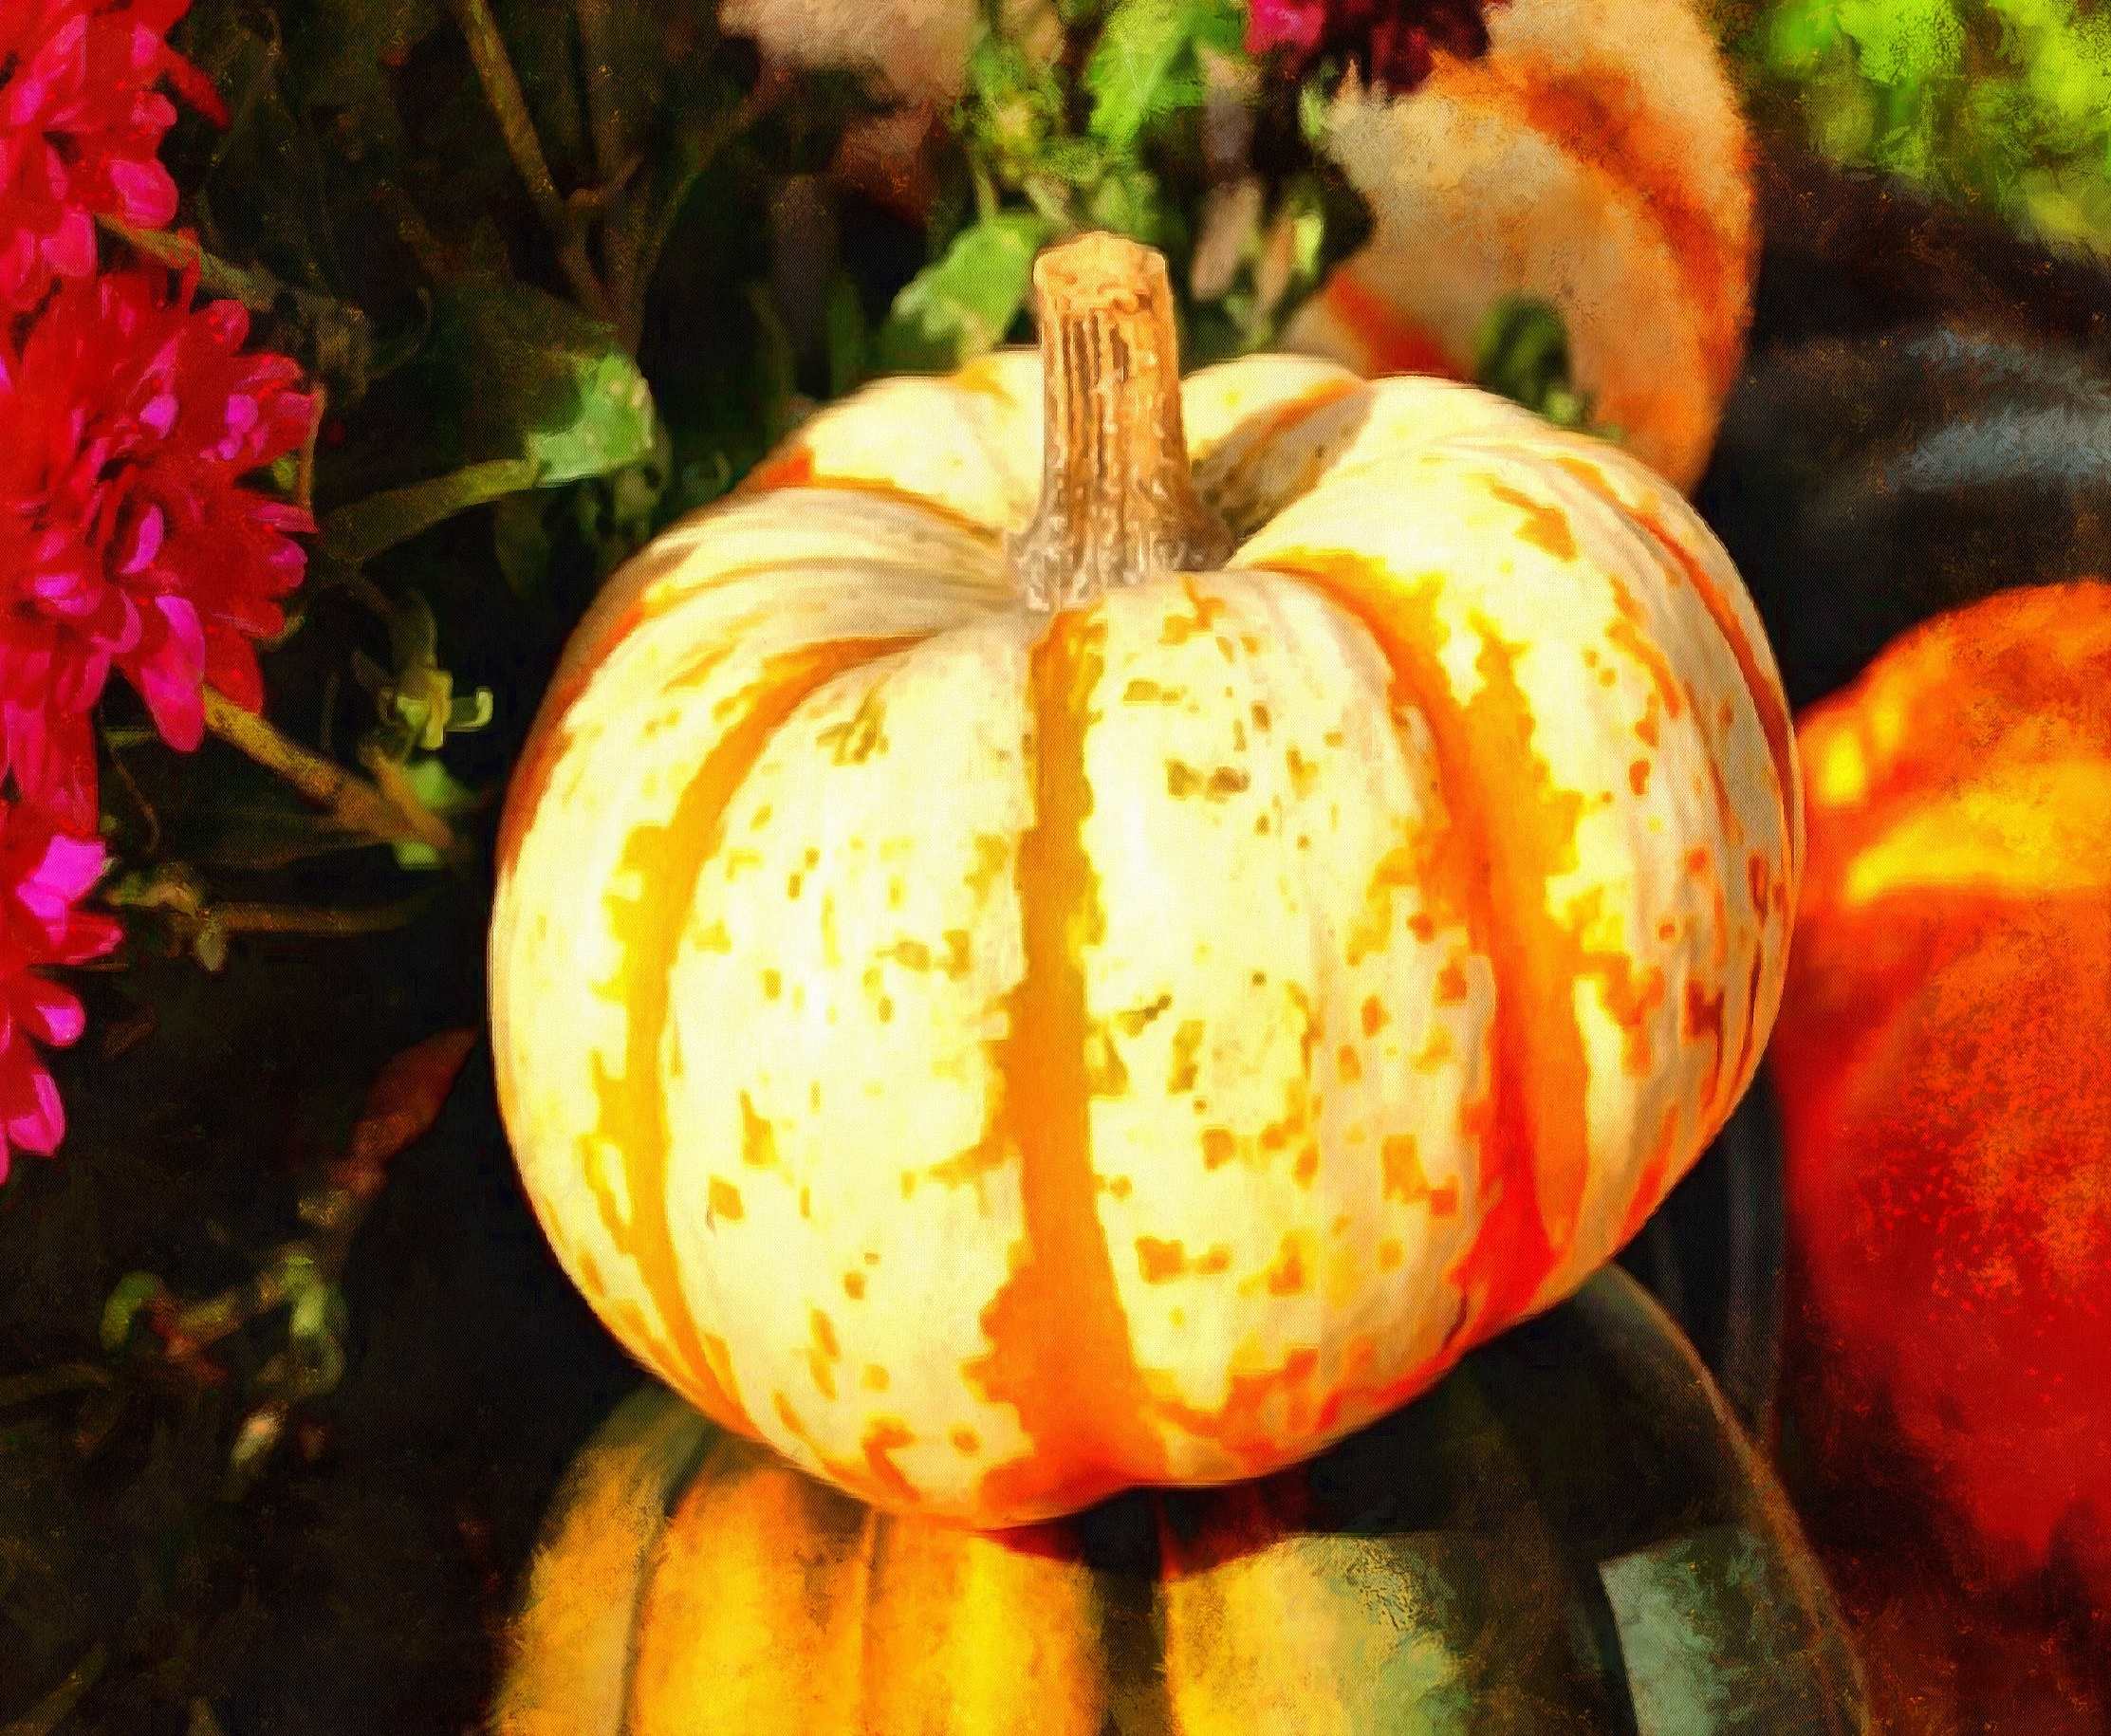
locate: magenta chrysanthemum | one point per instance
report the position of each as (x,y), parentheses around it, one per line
(1392,43)
(82,121)
(44,875)
(130,536)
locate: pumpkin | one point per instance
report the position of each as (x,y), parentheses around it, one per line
(1026,966)
(1947,1111)
(1593,159)
(1863,483)
(1567,1535)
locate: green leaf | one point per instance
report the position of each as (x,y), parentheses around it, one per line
(1145,66)
(537,379)
(845,333)
(134,1291)
(964,303)
(1523,353)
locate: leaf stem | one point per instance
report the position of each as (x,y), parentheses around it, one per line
(255,288)
(347,798)
(320,919)
(508,106)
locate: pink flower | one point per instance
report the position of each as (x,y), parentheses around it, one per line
(44,875)
(1393,42)
(128,538)
(82,121)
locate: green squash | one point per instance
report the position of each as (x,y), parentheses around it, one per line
(1569,1535)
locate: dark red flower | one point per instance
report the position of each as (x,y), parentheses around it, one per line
(44,875)
(1392,43)
(82,121)
(129,536)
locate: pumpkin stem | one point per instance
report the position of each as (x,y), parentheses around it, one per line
(1118,500)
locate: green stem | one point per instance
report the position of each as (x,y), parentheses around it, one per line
(508,105)
(320,919)
(256,289)
(348,799)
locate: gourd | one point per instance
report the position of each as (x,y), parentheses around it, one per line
(1947,1114)
(1864,484)
(1567,1535)
(1024,966)
(1593,159)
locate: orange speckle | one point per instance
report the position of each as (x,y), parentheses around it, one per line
(1637,776)
(853,1285)
(1390,1254)
(1159,1261)
(773,984)
(875,1378)
(1305,773)
(725,1201)
(1405,1181)
(1178,629)
(1451,985)
(1181,779)
(1187,1044)
(824,1335)
(1308,1166)
(965,1441)
(1225,781)
(1286,1276)
(758,1137)
(1131,1021)
(1375,1016)
(1215,1260)
(1546,524)
(1219,1146)
(1348,1064)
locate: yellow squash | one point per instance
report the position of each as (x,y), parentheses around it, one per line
(1024,967)
(1594,158)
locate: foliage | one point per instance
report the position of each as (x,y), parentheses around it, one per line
(1149,119)
(2006,105)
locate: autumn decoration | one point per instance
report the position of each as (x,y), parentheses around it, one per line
(1081,932)
(1939,1064)
(1567,1534)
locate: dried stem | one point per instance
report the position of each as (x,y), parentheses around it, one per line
(347,798)
(508,106)
(1118,500)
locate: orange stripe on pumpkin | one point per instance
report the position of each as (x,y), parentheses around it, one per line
(1535,1154)
(1061,1353)
(793,467)
(1766,694)
(667,864)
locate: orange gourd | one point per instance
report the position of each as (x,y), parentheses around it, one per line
(1025,966)
(1569,1535)
(1942,1067)
(1594,158)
